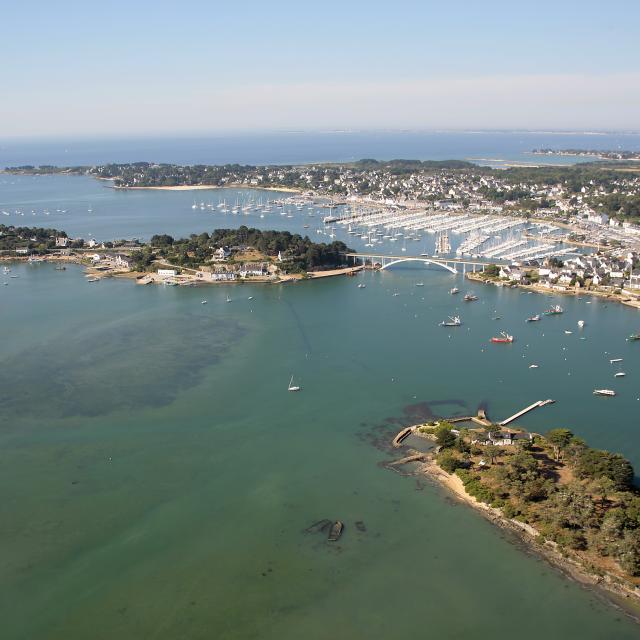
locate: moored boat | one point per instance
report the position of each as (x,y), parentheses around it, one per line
(502,338)
(554,311)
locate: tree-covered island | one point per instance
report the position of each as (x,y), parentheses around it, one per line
(225,255)
(581,501)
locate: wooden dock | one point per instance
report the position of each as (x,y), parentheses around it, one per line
(531,407)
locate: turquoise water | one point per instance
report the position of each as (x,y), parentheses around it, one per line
(156,477)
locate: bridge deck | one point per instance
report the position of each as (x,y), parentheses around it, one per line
(379,256)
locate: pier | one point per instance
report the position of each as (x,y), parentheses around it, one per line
(531,407)
(403,435)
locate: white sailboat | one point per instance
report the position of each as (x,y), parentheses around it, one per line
(292,387)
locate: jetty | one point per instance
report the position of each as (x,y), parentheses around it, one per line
(531,407)
(403,435)
(416,457)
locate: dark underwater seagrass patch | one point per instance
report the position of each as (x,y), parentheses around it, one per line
(113,367)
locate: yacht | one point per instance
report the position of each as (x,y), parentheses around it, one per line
(604,392)
(554,311)
(535,318)
(503,338)
(580,324)
(454,291)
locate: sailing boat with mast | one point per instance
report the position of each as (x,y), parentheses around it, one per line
(292,387)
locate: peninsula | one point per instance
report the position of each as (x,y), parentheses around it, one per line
(224,256)
(578,505)
(589,153)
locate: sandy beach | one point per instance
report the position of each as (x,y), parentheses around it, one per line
(209,187)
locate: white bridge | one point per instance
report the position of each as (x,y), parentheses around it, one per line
(384,262)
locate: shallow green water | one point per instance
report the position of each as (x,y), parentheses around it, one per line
(156,477)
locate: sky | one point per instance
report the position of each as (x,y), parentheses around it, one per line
(71,68)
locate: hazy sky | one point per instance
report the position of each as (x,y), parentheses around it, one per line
(87,68)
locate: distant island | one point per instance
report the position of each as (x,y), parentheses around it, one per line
(590,153)
(579,504)
(225,255)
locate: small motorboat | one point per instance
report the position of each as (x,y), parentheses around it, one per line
(580,324)
(604,392)
(554,311)
(533,366)
(614,360)
(503,338)
(633,337)
(568,332)
(336,531)
(620,374)
(250,298)
(454,291)
(203,302)
(470,297)
(535,318)
(419,284)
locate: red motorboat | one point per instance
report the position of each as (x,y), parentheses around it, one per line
(503,338)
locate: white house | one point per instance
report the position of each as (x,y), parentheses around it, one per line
(122,261)
(221,254)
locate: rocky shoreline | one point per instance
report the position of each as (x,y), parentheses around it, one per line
(622,596)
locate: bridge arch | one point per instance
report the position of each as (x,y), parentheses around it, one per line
(386,265)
